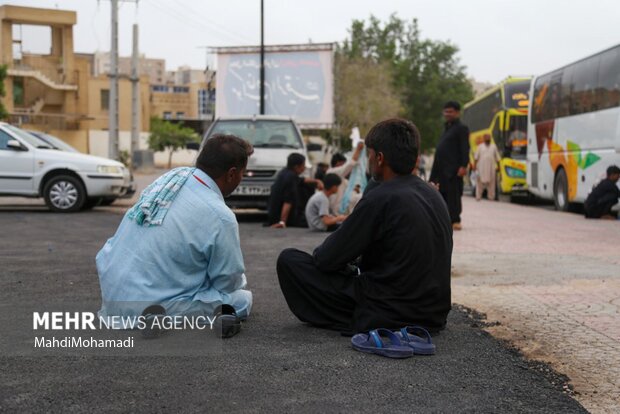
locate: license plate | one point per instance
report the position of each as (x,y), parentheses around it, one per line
(252,190)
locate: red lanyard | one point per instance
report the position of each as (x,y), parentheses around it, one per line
(201,182)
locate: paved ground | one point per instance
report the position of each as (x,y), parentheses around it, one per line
(552,282)
(276,364)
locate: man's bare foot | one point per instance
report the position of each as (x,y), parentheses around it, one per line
(457,226)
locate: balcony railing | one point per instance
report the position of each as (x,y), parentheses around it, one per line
(46,121)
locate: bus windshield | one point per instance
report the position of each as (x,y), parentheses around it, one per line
(516,138)
(517,94)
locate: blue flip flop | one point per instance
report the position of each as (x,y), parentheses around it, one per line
(372,343)
(420,345)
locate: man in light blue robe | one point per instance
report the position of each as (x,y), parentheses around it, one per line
(178,247)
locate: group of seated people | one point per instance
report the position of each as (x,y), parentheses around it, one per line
(386,266)
(316,203)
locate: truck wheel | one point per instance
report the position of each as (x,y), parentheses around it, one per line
(64,193)
(560,191)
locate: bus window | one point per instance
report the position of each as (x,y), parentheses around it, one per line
(584,82)
(566,91)
(541,88)
(480,115)
(516,141)
(554,103)
(608,90)
(498,136)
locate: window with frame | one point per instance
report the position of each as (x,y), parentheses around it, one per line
(608,87)
(584,82)
(480,115)
(4,140)
(104,97)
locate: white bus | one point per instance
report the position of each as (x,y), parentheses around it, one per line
(574,128)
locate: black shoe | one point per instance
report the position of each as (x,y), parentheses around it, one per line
(227,324)
(153,330)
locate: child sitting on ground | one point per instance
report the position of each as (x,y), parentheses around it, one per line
(318,214)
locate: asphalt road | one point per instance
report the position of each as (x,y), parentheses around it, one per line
(275,364)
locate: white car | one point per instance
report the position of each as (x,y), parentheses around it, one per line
(31,167)
(274,138)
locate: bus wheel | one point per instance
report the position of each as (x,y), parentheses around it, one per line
(560,191)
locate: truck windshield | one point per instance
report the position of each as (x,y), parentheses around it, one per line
(261,133)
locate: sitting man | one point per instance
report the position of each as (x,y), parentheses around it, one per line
(318,214)
(401,230)
(178,247)
(604,196)
(288,194)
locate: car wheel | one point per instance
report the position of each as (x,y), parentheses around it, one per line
(560,191)
(64,193)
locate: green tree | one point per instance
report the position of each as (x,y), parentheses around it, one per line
(168,136)
(3,73)
(426,73)
(364,94)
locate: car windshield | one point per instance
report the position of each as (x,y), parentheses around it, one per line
(261,133)
(55,142)
(29,138)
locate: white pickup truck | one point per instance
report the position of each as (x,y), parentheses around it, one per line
(68,181)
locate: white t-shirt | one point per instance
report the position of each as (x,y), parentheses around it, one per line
(317,207)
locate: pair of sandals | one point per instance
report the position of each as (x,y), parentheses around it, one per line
(409,341)
(227,324)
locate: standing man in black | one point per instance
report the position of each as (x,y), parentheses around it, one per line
(451,159)
(400,231)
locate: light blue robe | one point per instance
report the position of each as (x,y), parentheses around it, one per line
(190,264)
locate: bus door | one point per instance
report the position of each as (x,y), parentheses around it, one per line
(516,136)
(514,151)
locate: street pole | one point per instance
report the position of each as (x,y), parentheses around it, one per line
(262,57)
(113,103)
(135,96)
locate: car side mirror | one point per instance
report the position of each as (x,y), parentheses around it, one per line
(15,145)
(192,146)
(314,147)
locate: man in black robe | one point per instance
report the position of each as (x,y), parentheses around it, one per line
(604,196)
(290,193)
(400,237)
(451,159)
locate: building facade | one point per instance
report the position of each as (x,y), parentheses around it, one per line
(67,94)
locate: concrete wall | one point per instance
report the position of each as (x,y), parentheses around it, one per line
(77,139)
(98,142)
(98,145)
(99,115)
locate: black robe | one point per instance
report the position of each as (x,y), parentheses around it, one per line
(451,154)
(402,232)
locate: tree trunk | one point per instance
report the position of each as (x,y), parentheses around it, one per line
(170,159)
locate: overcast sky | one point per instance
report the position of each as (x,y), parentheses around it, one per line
(496,38)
